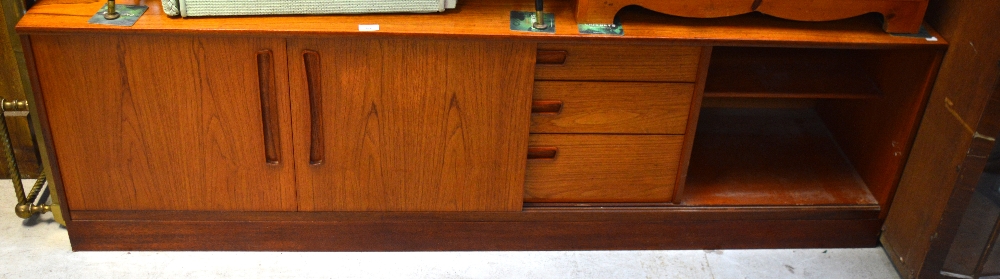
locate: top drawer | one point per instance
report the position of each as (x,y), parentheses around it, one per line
(617,62)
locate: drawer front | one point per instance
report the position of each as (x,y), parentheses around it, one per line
(611,107)
(617,62)
(602,168)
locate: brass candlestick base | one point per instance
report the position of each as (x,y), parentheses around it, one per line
(533,21)
(540,21)
(118,15)
(111,14)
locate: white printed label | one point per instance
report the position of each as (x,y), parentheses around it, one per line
(367,27)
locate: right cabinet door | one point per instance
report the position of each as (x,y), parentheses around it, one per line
(410,125)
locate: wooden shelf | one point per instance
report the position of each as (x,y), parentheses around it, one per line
(489,19)
(745,156)
(791,73)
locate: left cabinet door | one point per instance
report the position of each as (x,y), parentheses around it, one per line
(149,122)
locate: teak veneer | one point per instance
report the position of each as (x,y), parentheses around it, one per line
(900,16)
(451,132)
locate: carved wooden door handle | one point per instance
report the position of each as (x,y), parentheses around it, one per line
(314,80)
(269,107)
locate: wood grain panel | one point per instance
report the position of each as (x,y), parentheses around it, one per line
(946,160)
(415,125)
(621,63)
(135,129)
(401,235)
(488,19)
(60,208)
(604,168)
(901,16)
(613,107)
(603,12)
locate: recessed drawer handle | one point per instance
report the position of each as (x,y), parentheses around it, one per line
(546,106)
(314,81)
(269,107)
(542,152)
(551,57)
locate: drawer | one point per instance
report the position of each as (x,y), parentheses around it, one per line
(602,168)
(611,107)
(617,62)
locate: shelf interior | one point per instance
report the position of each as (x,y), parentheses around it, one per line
(755,72)
(755,156)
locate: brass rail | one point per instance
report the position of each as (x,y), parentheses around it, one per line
(26,206)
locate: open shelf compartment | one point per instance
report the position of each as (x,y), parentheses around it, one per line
(742,72)
(766,156)
(806,127)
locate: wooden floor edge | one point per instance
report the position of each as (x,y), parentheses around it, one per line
(469,236)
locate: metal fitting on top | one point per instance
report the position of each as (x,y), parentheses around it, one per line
(111,14)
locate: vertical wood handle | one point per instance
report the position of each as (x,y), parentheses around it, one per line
(269,107)
(546,106)
(551,57)
(542,152)
(314,80)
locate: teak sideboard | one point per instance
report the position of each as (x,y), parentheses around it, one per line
(451,132)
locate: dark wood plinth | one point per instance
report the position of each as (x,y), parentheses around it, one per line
(405,234)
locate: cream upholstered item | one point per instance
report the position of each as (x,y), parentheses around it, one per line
(286,7)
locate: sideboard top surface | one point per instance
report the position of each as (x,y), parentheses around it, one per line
(489,19)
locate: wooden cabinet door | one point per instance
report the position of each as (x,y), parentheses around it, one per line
(168,122)
(410,125)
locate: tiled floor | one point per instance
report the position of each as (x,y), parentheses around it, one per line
(40,249)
